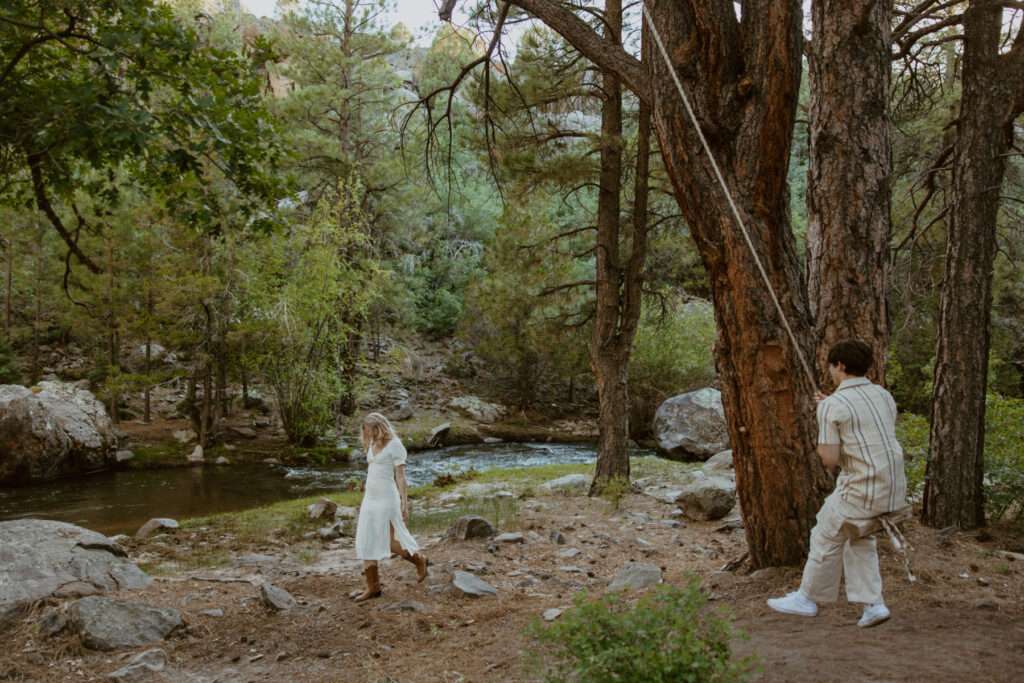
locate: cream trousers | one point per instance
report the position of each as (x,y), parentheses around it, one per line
(832,553)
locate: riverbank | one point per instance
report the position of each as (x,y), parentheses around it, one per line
(962,619)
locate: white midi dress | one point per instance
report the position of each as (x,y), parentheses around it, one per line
(382,505)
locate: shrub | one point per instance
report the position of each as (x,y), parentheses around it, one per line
(670,635)
(10,372)
(672,354)
(1004,456)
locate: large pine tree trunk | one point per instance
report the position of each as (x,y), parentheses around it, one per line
(744,90)
(990,101)
(608,358)
(849,171)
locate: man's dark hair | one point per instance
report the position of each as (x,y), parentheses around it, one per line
(854,354)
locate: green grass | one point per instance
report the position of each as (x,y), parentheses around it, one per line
(290,520)
(157,455)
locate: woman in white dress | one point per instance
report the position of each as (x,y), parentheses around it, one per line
(381,528)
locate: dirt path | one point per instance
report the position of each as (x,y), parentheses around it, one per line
(963,620)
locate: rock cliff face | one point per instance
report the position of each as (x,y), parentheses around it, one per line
(52,430)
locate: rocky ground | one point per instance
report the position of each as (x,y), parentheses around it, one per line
(962,619)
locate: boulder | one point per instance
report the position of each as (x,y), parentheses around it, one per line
(400,411)
(708,498)
(276,599)
(123,455)
(324,507)
(691,426)
(470,526)
(438,433)
(245,432)
(51,622)
(719,464)
(51,430)
(552,614)
(344,512)
(185,435)
(196,456)
(106,624)
(465,584)
(154,525)
(40,558)
(222,461)
(136,359)
(477,409)
(636,576)
(570,483)
(406,606)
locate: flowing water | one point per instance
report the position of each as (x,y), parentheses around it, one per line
(120,502)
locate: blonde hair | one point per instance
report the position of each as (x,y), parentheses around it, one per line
(376,427)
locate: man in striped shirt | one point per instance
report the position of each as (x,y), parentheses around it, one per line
(856,431)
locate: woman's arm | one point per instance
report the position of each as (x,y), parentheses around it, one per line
(400,480)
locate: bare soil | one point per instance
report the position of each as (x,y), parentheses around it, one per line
(963,619)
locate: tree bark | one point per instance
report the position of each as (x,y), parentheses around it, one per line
(991,99)
(849,172)
(609,355)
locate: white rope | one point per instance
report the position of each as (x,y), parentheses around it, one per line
(728,195)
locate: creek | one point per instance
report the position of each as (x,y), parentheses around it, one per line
(113,502)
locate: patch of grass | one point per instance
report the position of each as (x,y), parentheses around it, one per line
(651,466)
(157,455)
(498,511)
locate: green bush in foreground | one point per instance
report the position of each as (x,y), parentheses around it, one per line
(670,635)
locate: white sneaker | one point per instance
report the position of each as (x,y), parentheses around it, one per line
(873,614)
(794,603)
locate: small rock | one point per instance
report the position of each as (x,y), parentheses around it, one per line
(986,604)
(222,461)
(570,568)
(51,623)
(271,461)
(277,599)
(570,552)
(106,624)
(400,411)
(509,538)
(150,527)
(438,433)
(406,606)
(982,581)
(675,524)
(245,432)
(344,512)
(465,584)
(449,497)
(124,455)
(636,576)
(184,435)
(280,656)
(557,538)
(141,667)
(947,532)
(552,614)
(492,439)
(331,533)
(356,455)
(212,613)
(570,483)
(470,526)
(718,464)
(322,508)
(642,516)
(196,455)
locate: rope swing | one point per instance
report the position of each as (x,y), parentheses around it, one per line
(728,195)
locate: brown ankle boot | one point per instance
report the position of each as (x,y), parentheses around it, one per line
(419,560)
(372,584)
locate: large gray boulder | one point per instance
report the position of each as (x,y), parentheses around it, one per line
(40,558)
(708,498)
(107,624)
(51,430)
(691,426)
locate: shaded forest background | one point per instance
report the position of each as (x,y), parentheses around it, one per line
(276,204)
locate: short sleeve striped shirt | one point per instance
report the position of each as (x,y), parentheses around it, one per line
(861,418)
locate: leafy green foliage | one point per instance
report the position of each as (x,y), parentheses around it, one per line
(669,635)
(672,354)
(1004,457)
(10,370)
